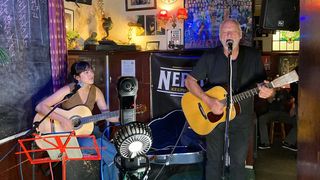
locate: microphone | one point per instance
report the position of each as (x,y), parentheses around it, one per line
(229,44)
(75,89)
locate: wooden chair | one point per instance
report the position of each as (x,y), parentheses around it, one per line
(282,130)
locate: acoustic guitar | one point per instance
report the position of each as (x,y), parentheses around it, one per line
(82,121)
(81,117)
(203,121)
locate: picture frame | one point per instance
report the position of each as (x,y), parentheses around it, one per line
(202,33)
(174,38)
(141,22)
(69,19)
(152,45)
(150,25)
(287,64)
(135,5)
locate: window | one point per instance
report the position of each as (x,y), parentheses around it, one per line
(286,41)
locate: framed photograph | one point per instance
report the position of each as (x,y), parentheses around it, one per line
(152,45)
(140,22)
(150,25)
(69,19)
(135,5)
(173,38)
(287,64)
(161,27)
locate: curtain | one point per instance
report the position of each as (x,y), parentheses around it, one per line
(58,47)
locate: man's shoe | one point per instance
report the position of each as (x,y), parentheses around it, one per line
(264,146)
(291,147)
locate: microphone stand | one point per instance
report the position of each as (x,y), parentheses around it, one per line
(68,96)
(226,156)
(37,124)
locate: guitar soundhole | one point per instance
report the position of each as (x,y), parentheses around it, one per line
(76,122)
(213,117)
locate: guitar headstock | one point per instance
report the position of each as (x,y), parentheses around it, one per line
(285,79)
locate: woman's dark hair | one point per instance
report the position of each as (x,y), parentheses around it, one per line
(77,68)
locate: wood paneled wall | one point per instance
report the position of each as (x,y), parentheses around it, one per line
(14,167)
(309,88)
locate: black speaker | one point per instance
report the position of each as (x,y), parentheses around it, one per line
(127,92)
(280,15)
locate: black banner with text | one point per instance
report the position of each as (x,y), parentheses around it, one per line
(168,74)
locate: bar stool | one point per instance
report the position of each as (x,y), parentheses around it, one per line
(282,130)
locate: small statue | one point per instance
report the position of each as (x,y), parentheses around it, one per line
(107,25)
(92,40)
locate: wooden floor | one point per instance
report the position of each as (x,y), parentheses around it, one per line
(276,163)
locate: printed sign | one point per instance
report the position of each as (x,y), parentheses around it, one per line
(168,75)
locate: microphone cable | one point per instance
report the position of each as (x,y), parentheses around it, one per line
(174,147)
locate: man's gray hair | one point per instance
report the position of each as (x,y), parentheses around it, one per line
(230,20)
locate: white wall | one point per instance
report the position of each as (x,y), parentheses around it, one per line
(88,19)
(120,17)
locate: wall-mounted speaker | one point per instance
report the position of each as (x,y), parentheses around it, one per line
(280,15)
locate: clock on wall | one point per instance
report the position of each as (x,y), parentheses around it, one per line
(168,1)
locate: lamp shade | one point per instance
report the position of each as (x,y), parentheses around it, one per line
(163,15)
(182,13)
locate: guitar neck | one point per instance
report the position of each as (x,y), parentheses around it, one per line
(249,93)
(98,117)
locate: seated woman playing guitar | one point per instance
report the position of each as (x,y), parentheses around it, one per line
(81,92)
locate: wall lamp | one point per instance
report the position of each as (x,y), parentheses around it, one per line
(164,16)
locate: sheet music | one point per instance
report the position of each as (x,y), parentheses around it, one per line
(56,154)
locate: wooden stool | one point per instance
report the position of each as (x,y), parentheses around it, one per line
(282,128)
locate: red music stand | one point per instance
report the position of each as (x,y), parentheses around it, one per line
(60,147)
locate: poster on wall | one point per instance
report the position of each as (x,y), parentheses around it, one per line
(205,17)
(168,75)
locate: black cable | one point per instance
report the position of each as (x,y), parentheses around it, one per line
(174,147)
(147,167)
(13,147)
(103,135)
(20,165)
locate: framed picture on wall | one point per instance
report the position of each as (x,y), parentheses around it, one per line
(204,32)
(69,19)
(287,64)
(150,25)
(152,45)
(140,22)
(135,5)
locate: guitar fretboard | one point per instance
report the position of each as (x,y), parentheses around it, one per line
(249,93)
(98,117)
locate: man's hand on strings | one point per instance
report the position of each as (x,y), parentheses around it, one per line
(214,104)
(265,92)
